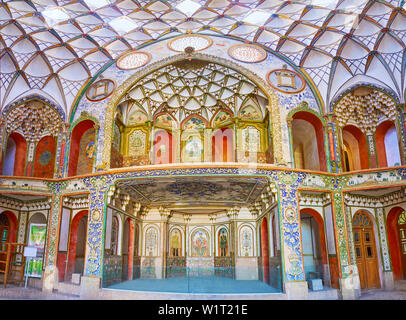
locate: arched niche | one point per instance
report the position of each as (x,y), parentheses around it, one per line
(355,149)
(77,244)
(387,145)
(15,155)
(314,245)
(308,142)
(131,83)
(45,154)
(396,223)
(163,147)
(82,148)
(8,227)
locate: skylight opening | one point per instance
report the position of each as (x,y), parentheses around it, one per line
(54,15)
(188,7)
(96,4)
(257,17)
(123,25)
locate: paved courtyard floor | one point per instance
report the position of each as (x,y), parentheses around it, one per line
(21,293)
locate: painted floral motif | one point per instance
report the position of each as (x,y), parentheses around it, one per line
(250,113)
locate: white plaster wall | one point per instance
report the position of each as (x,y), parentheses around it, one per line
(392,148)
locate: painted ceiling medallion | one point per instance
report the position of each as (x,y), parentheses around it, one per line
(286,81)
(100,90)
(247,53)
(133,60)
(189,42)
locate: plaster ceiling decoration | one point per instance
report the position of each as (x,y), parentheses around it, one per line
(247,53)
(197,42)
(33,120)
(365,107)
(194,190)
(58,45)
(133,60)
(192,87)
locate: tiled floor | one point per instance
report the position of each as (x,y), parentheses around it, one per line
(20,293)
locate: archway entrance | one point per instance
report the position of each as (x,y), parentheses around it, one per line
(77,244)
(365,251)
(314,246)
(397,241)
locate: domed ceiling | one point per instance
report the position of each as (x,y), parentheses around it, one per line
(58,45)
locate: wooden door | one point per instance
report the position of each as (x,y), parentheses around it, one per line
(365,251)
(402,240)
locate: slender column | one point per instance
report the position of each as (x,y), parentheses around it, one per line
(291,246)
(388,280)
(332,145)
(61,149)
(401,129)
(343,255)
(352,258)
(3,142)
(50,276)
(90,282)
(373,162)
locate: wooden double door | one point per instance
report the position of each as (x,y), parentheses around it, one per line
(365,251)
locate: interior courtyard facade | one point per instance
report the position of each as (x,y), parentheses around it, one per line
(150,146)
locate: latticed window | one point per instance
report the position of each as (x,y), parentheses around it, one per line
(402,231)
(361,220)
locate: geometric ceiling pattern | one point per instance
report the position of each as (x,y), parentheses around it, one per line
(192,87)
(58,45)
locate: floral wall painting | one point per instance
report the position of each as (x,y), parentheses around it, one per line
(136,143)
(165,121)
(151,243)
(250,113)
(221,117)
(250,139)
(194,123)
(193,148)
(200,243)
(246,241)
(176,243)
(137,117)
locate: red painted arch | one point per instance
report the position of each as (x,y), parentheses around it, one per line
(20,155)
(12,220)
(73,238)
(320,224)
(393,240)
(362,145)
(319,130)
(76,136)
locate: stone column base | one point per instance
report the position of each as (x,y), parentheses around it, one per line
(89,288)
(49,279)
(388,281)
(297,290)
(350,288)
